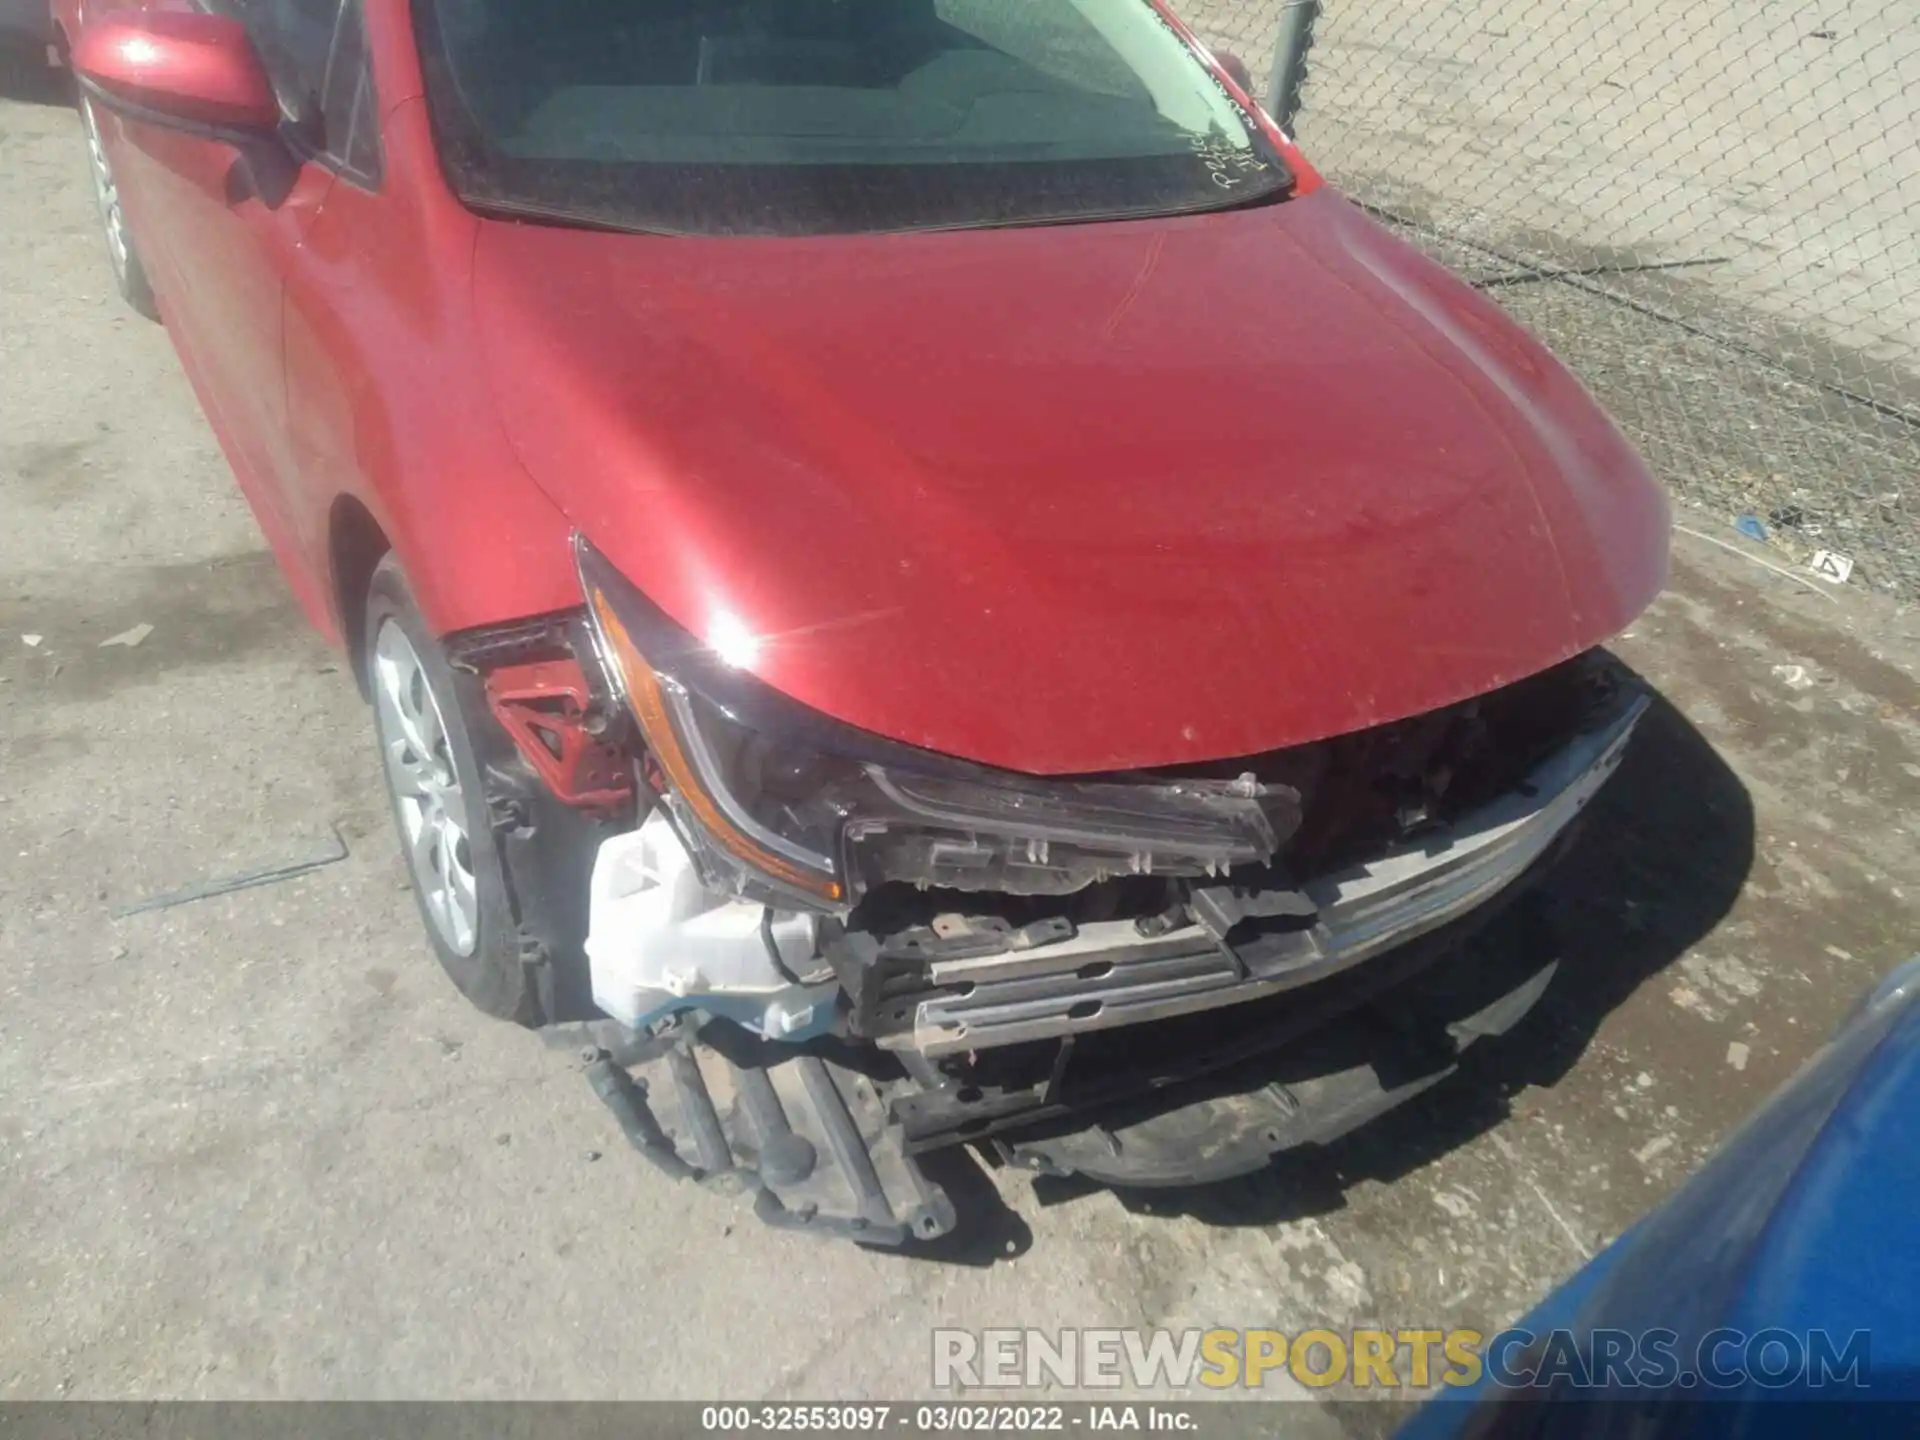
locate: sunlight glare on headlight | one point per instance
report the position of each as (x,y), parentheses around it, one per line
(729,638)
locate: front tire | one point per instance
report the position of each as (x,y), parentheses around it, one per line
(129,275)
(437,794)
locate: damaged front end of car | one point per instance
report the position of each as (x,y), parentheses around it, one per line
(824,954)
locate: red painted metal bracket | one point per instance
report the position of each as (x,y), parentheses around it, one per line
(543,706)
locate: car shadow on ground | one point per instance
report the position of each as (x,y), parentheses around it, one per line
(1664,853)
(26,76)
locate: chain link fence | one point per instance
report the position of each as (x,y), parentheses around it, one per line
(1710,210)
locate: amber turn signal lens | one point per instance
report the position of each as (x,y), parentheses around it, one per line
(649,709)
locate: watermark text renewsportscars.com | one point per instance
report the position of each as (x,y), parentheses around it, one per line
(1404,1359)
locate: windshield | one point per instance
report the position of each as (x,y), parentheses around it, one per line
(819,116)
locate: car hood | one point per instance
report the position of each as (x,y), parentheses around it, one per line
(1076,498)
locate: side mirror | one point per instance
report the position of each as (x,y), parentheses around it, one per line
(1236,69)
(181,69)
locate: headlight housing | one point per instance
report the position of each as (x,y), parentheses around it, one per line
(781,804)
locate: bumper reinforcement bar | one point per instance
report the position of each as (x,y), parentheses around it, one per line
(1107,976)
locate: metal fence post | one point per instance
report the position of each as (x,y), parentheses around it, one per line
(1290,48)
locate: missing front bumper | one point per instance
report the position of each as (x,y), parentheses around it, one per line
(662,945)
(1275,1037)
(829,1144)
(1107,976)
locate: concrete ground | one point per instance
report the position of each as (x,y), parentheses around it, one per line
(258,1147)
(1778,138)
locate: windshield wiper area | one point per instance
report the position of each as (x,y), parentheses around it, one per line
(1281,189)
(880,199)
(527,211)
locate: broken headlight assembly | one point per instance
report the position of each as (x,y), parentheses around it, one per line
(783,805)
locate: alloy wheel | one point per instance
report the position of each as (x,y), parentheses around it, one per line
(434,817)
(106,192)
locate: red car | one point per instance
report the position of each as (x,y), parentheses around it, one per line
(920,576)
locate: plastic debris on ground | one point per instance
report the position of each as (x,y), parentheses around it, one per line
(1795,676)
(128,638)
(1831,565)
(1787,517)
(1652,1148)
(1750,526)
